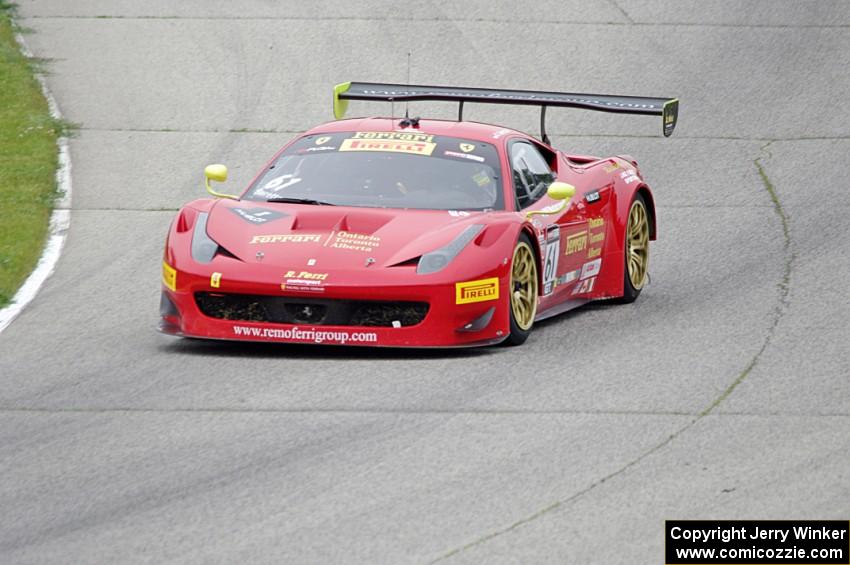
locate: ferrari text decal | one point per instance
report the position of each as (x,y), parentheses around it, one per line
(288,238)
(353,241)
(169,276)
(215,280)
(576,242)
(311,335)
(414,147)
(477,291)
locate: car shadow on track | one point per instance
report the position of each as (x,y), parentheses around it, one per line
(224,348)
(213,348)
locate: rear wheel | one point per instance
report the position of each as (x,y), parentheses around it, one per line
(523,291)
(636,250)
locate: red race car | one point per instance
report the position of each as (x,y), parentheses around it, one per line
(413,233)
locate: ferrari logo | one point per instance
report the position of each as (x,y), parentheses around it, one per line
(215,280)
(466,147)
(322,140)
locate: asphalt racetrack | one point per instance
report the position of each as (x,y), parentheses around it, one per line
(723,392)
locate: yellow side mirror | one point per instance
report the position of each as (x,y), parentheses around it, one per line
(217,173)
(560,191)
(556,191)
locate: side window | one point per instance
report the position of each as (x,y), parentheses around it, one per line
(532,175)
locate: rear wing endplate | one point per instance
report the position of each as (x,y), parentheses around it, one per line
(667,108)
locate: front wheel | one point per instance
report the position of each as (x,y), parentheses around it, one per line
(636,250)
(523,291)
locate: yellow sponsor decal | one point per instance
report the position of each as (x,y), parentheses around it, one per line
(466,147)
(169,276)
(322,140)
(612,167)
(287,238)
(393,136)
(596,223)
(215,280)
(576,242)
(481,178)
(477,291)
(597,237)
(595,252)
(389,146)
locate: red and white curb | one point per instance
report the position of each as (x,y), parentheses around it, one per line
(60,219)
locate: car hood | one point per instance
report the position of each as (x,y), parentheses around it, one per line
(338,237)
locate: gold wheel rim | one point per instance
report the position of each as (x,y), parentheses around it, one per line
(637,245)
(523,286)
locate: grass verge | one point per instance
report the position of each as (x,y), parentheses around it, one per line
(28,161)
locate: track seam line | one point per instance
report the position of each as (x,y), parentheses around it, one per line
(622,11)
(402,412)
(784,284)
(377,411)
(778,312)
(444,20)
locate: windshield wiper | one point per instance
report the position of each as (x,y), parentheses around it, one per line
(300,201)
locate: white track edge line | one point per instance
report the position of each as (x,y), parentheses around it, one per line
(60,218)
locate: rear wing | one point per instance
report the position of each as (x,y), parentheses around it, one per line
(667,108)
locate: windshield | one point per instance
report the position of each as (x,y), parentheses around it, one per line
(384,170)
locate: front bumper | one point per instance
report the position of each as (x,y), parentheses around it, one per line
(446,324)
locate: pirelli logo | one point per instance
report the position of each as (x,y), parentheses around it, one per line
(477,291)
(388,146)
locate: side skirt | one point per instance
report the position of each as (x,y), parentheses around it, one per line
(561,308)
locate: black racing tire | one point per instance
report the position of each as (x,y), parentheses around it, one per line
(522,291)
(636,250)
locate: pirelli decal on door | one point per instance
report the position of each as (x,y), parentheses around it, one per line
(477,291)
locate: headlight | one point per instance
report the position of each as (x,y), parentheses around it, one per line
(438,259)
(203,248)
